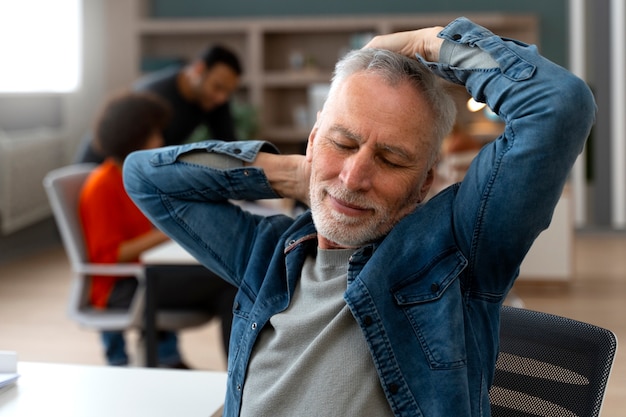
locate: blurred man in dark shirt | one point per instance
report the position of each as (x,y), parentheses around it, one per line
(198,94)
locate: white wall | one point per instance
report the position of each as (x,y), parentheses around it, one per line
(109,63)
(80,108)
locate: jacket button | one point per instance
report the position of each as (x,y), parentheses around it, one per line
(253,326)
(434,287)
(367,320)
(456,37)
(237,151)
(394,388)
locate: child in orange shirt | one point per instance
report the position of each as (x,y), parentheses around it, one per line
(116,230)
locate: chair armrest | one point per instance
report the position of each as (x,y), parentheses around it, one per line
(136,270)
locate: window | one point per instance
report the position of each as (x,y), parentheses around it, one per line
(40,46)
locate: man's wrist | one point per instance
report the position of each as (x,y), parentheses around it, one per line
(284,173)
(432,44)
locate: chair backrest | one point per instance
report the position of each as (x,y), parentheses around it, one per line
(550,366)
(63,186)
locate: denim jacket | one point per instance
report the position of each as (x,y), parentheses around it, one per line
(427,296)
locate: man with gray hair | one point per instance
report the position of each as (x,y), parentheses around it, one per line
(377,302)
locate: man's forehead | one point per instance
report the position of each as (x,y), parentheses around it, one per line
(366,105)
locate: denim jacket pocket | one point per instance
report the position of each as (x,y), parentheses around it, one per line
(431,301)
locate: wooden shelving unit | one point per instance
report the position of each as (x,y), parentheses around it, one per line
(282,57)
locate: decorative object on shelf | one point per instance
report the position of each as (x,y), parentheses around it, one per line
(246,119)
(301,117)
(360,39)
(296,61)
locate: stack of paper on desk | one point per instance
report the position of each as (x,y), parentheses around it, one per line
(8,369)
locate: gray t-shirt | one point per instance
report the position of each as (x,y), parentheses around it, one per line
(312,359)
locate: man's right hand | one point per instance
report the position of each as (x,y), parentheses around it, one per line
(423,42)
(289,175)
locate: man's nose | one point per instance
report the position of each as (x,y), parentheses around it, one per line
(358,172)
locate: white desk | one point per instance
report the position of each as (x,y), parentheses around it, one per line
(168,253)
(171,254)
(97,391)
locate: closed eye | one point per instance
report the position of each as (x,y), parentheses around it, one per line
(343,144)
(390,163)
(394,156)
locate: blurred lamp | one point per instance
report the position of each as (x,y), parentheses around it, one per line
(474,106)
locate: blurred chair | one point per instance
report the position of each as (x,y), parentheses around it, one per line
(63,186)
(550,366)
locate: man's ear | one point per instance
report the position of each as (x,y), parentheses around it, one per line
(428,182)
(196,71)
(312,135)
(199,66)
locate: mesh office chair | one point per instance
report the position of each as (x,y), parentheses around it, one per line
(63,187)
(550,366)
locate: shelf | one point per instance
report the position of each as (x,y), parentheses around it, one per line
(282,57)
(147,26)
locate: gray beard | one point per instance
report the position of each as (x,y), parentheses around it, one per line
(341,229)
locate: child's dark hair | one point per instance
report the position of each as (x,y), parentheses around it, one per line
(127,121)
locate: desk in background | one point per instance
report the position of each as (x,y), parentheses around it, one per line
(171,254)
(166,255)
(99,391)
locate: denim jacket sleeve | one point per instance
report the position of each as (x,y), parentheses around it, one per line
(174,193)
(509,193)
